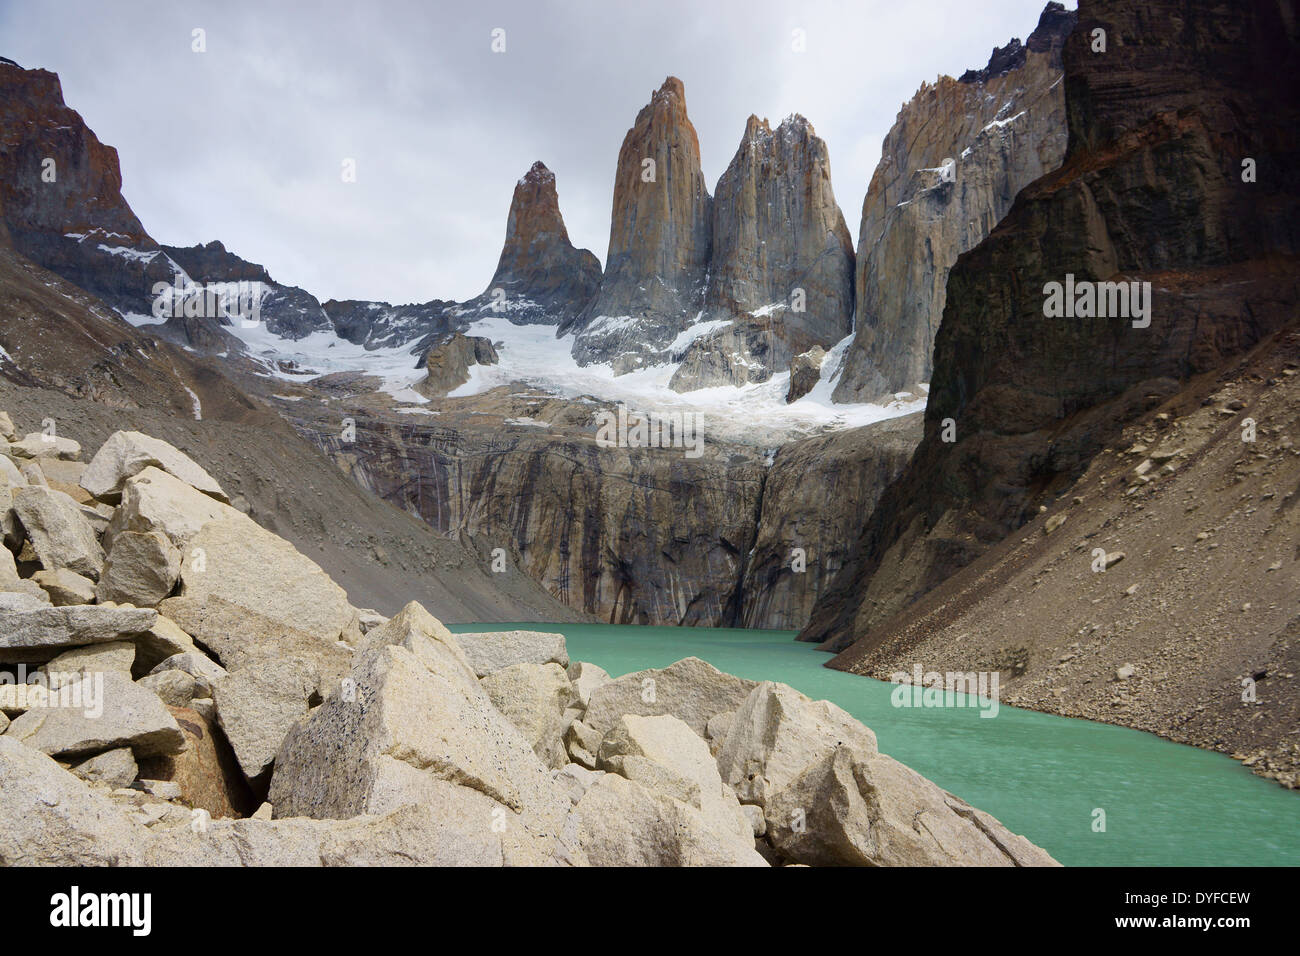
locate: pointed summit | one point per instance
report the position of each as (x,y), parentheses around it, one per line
(782,264)
(540,278)
(659,240)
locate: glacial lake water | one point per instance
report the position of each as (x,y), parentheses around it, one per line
(1043,776)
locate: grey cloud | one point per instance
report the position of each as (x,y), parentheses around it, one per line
(245,142)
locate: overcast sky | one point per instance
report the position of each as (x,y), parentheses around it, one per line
(245,142)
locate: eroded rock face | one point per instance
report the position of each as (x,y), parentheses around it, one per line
(61,192)
(659,241)
(1001,128)
(782,262)
(540,278)
(1151,190)
(447,363)
(818,495)
(595,524)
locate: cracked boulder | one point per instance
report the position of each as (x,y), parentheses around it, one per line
(777,733)
(677,752)
(141,569)
(853,808)
(126,454)
(34,634)
(102,711)
(534,698)
(258,703)
(691,689)
(60,534)
(412,725)
(619,822)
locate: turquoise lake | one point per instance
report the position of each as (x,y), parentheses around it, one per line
(1043,776)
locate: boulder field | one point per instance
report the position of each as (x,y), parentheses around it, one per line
(180,686)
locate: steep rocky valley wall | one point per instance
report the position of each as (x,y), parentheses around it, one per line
(959,152)
(635,536)
(1151,190)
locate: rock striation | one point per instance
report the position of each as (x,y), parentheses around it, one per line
(817,496)
(1151,190)
(629,535)
(660,241)
(950,168)
(633,535)
(781,270)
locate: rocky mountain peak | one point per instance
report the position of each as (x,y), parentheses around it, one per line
(659,242)
(755,127)
(61,195)
(56,177)
(671,87)
(781,272)
(535,208)
(213,262)
(1054,25)
(540,278)
(949,170)
(537,173)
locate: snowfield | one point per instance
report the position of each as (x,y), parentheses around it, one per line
(533,355)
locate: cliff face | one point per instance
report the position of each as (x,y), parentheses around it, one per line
(1002,128)
(659,241)
(81,191)
(61,194)
(1151,190)
(817,496)
(782,265)
(542,278)
(631,535)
